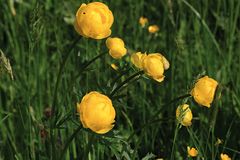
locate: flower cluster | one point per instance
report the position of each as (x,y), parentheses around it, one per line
(153,64)
(143,21)
(94,20)
(203,93)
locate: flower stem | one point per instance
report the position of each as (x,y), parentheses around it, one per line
(172,101)
(62,66)
(156,120)
(139,73)
(69,141)
(52,121)
(174,140)
(148,124)
(88,63)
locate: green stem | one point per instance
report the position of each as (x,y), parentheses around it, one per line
(64,119)
(174,140)
(139,73)
(149,123)
(170,102)
(120,75)
(88,147)
(69,141)
(156,120)
(62,66)
(205,26)
(83,68)
(230,149)
(194,138)
(88,63)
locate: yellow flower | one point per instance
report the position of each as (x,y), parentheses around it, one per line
(94,20)
(143,21)
(114,66)
(192,152)
(204,91)
(153,29)
(96,112)
(166,64)
(224,157)
(154,65)
(116,47)
(184,115)
(137,59)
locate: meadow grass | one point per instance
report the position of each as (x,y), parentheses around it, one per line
(197,37)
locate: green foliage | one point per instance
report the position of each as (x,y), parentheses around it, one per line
(197,37)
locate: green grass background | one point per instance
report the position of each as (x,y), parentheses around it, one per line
(197,37)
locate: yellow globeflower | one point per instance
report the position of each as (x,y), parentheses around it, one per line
(114,66)
(96,112)
(153,29)
(94,20)
(166,64)
(184,115)
(192,152)
(224,157)
(204,90)
(143,21)
(116,47)
(154,66)
(137,59)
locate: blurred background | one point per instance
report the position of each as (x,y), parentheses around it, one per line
(197,37)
